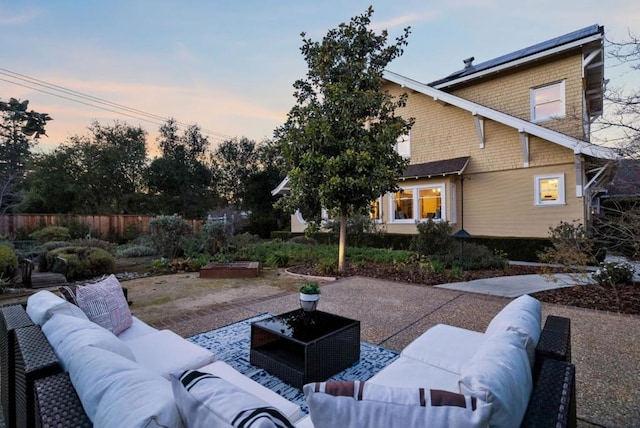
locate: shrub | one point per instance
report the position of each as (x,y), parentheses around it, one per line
(360,228)
(278,260)
(572,247)
(81,262)
(51,233)
(477,257)
(77,229)
(215,236)
(433,238)
(303,240)
(613,273)
(169,234)
(8,262)
(95,243)
(135,251)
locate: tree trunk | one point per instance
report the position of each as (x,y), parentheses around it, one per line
(343,241)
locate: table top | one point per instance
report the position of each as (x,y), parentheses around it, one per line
(304,327)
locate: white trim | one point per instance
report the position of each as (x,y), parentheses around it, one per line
(578,146)
(454,204)
(521,61)
(416,204)
(282,187)
(561,190)
(561,99)
(299,217)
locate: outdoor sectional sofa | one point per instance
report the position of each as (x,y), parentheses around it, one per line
(68,371)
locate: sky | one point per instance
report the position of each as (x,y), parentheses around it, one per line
(229,66)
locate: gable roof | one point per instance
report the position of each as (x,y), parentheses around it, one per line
(523,126)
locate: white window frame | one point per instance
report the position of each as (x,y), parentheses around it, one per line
(560,99)
(561,189)
(416,202)
(406,138)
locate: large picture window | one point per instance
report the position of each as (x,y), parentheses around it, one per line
(549,189)
(547,102)
(418,203)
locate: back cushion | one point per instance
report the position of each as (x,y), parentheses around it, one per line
(524,316)
(500,374)
(39,303)
(363,404)
(68,335)
(117,392)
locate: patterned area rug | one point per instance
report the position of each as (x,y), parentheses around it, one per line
(231,344)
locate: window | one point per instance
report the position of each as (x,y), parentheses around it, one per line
(375,212)
(428,201)
(549,189)
(403,146)
(547,102)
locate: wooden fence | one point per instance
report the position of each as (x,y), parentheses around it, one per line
(105,225)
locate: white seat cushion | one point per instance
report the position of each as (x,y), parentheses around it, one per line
(164,352)
(225,371)
(138,328)
(500,374)
(407,372)
(39,303)
(444,346)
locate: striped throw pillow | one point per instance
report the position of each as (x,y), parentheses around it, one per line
(104,303)
(205,400)
(362,404)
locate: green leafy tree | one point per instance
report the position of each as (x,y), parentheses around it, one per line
(180,178)
(338,140)
(19,130)
(234,161)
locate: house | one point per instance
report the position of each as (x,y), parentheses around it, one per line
(623,187)
(501,148)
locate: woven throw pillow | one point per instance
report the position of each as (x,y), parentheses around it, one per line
(105,304)
(206,400)
(362,404)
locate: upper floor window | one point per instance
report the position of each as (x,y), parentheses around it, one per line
(549,189)
(403,145)
(547,102)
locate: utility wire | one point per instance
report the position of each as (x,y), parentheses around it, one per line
(111,106)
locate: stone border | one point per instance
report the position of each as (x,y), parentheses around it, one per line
(310,277)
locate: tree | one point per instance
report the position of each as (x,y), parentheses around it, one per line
(180,178)
(338,140)
(19,129)
(234,161)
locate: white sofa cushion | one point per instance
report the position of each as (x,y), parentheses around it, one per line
(500,374)
(524,316)
(105,304)
(205,400)
(362,404)
(407,372)
(444,346)
(68,335)
(115,391)
(228,373)
(138,328)
(64,308)
(39,303)
(164,352)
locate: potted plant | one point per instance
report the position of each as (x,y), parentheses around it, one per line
(309,296)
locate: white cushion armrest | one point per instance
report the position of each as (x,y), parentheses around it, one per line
(446,347)
(165,352)
(39,303)
(228,373)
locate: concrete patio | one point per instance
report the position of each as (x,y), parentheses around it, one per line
(604,345)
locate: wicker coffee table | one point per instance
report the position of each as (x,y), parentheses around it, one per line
(300,348)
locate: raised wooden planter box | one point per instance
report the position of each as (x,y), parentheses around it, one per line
(230,270)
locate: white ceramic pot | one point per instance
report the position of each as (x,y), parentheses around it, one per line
(308,302)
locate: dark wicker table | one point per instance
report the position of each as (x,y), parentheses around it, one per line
(300,348)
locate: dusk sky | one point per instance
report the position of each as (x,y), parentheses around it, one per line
(229,66)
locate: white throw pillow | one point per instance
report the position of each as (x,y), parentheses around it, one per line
(105,304)
(205,400)
(500,374)
(524,316)
(39,303)
(116,392)
(68,335)
(362,404)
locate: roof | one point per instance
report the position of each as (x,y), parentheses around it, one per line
(523,126)
(436,168)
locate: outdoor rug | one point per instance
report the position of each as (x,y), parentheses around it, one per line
(231,344)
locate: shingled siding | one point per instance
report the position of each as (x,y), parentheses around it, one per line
(105,225)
